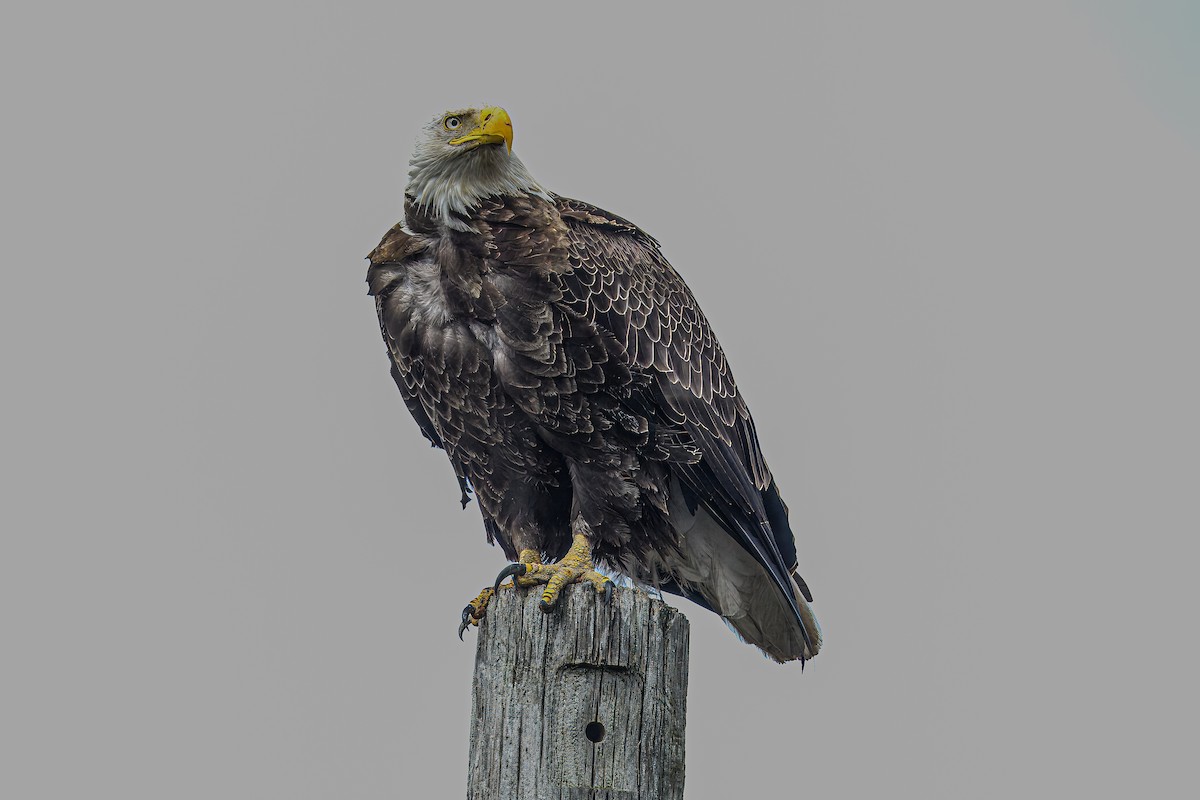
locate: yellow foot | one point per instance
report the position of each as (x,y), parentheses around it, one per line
(576,567)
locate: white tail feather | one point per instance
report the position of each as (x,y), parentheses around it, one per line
(738,587)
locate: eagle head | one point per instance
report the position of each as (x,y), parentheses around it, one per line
(462,157)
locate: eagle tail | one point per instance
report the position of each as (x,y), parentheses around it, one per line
(715,569)
(752,605)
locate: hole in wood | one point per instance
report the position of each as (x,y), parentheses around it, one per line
(594,732)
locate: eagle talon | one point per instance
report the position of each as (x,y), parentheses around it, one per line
(466,622)
(575,567)
(512,570)
(475,610)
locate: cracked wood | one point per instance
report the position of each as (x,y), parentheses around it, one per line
(585,703)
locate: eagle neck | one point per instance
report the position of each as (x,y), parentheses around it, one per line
(449,189)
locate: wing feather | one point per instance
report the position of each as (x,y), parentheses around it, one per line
(386,270)
(613,261)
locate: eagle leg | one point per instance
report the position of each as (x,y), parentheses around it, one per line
(575,567)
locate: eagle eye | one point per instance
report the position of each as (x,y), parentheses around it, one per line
(452,123)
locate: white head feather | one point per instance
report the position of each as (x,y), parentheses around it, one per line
(445,178)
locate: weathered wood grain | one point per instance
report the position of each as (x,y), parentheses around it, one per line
(541,679)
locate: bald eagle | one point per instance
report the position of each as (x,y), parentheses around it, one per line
(579,392)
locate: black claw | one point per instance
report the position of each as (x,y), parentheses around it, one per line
(545,606)
(467,614)
(515,570)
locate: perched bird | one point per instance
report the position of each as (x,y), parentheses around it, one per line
(579,392)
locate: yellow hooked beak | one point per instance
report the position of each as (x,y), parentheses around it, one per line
(494,127)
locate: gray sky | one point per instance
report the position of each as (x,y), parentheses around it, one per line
(950,250)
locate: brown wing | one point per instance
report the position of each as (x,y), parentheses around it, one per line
(620,279)
(620,276)
(386,266)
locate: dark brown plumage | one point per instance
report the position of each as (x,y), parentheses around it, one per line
(569,374)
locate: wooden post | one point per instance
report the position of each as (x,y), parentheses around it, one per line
(587,702)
